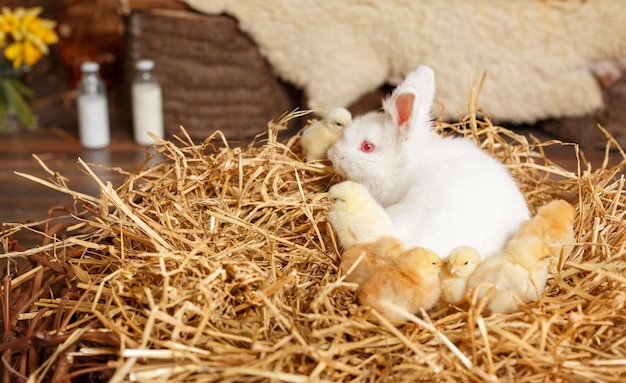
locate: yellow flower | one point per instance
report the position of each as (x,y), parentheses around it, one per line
(10,21)
(31,35)
(44,30)
(24,38)
(41,33)
(25,52)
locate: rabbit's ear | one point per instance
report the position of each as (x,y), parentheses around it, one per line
(404,107)
(410,103)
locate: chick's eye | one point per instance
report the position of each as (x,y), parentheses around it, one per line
(466,263)
(367,147)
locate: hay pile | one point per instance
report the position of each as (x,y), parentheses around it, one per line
(218,264)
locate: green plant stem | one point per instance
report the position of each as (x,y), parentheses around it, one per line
(13,95)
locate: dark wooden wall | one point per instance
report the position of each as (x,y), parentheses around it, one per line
(212,74)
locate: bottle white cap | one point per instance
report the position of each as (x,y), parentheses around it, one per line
(89,66)
(145,64)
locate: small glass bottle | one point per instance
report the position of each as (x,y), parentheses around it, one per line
(93,108)
(147,104)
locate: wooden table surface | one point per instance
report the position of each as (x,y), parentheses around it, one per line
(23,200)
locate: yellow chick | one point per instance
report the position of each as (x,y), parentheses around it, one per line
(554,223)
(515,276)
(460,264)
(318,137)
(411,281)
(355,216)
(374,255)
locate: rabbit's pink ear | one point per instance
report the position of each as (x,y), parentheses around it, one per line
(404,107)
(409,104)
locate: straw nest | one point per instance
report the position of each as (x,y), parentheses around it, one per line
(214,263)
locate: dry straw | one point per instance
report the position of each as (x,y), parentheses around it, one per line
(214,263)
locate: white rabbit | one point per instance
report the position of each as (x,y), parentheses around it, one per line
(440,192)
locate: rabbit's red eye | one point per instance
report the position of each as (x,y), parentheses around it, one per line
(367,147)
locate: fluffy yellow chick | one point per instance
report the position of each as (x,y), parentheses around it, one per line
(554,223)
(355,216)
(517,275)
(459,265)
(318,137)
(375,254)
(411,281)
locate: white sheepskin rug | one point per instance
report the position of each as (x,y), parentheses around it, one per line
(543,58)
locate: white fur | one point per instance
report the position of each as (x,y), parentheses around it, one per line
(441,193)
(536,53)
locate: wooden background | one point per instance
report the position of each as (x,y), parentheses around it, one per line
(212,75)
